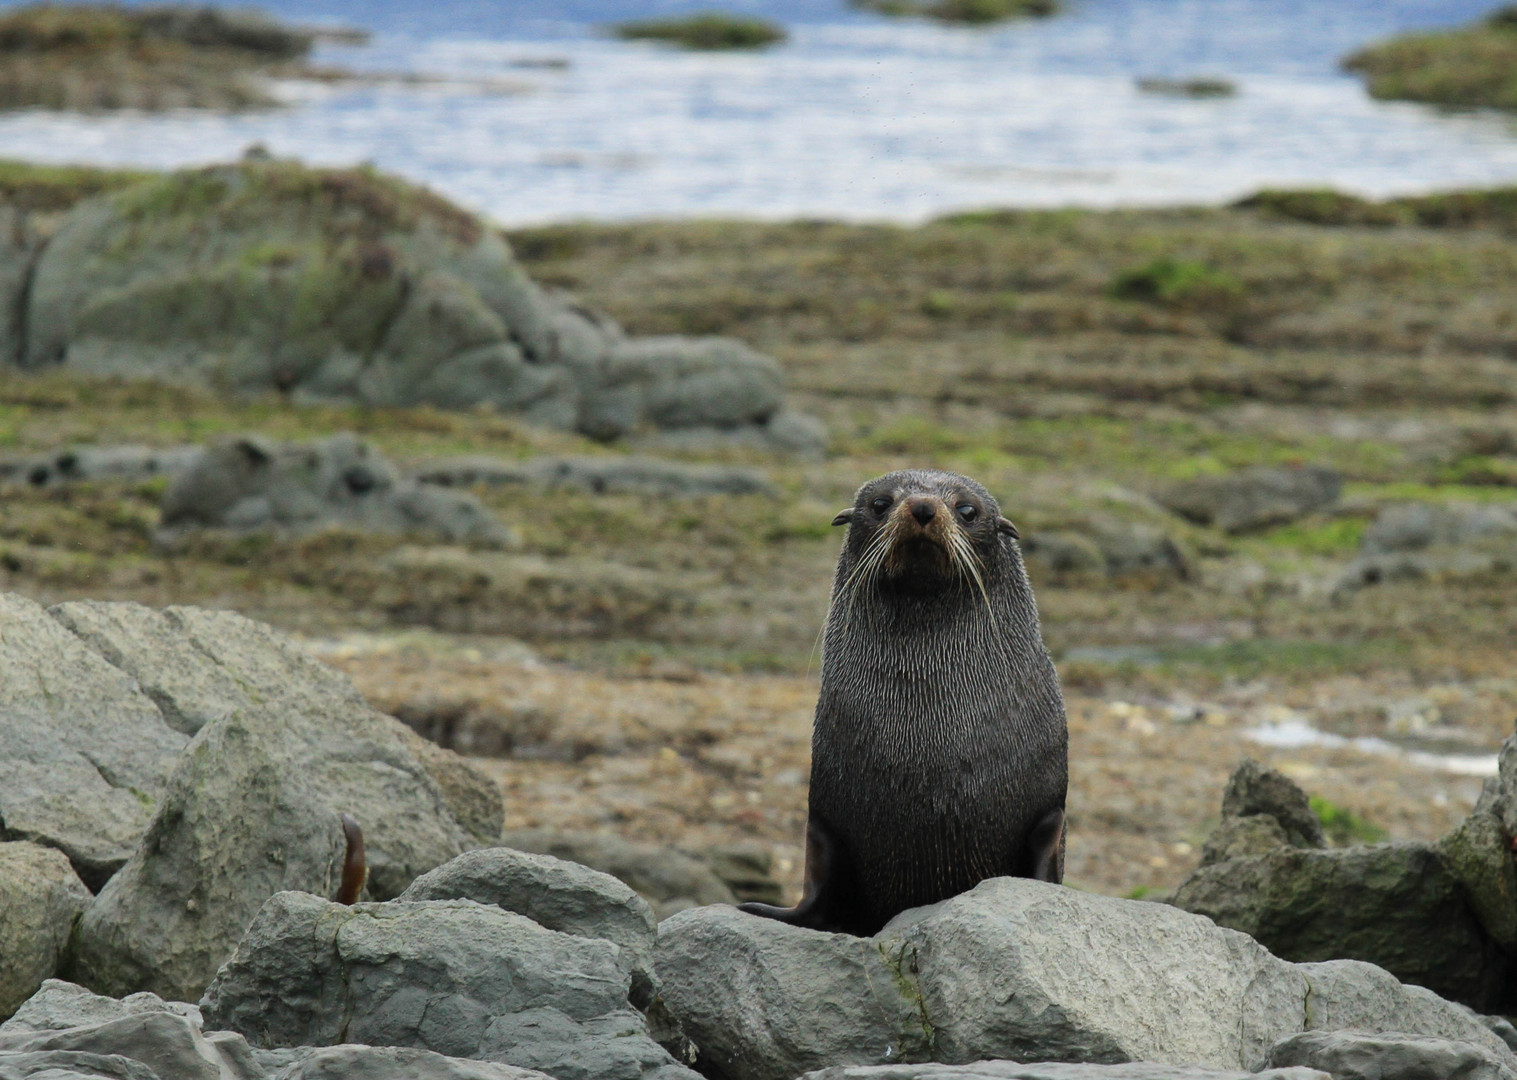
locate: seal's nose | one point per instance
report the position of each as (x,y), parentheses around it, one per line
(923,511)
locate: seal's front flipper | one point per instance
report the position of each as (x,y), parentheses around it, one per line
(1045,848)
(816,897)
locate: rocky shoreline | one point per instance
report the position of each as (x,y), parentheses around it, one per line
(170,789)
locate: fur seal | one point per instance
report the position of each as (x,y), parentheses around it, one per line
(939,748)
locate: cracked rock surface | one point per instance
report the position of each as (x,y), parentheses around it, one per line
(1022,970)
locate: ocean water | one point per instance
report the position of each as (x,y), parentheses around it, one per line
(856,117)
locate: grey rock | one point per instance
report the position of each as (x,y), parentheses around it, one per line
(349,286)
(1010,969)
(360,759)
(1351,995)
(253,804)
(1135,548)
(671,382)
(396,1063)
(1419,526)
(84,753)
(171,1046)
(239,821)
(747,868)
(1503,1029)
(59,1005)
(1478,854)
(1236,838)
(1353,1055)
(1011,1070)
(1257,790)
(189,688)
(71,1065)
(248,484)
(1255,498)
(1414,541)
(1395,905)
(1064,553)
(40,899)
(669,880)
(192,687)
(455,977)
(601,475)
(555,894)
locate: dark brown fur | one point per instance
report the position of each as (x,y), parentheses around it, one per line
(939,753)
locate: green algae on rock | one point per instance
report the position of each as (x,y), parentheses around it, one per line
(350,286)
(1469,66)
(707,30)
(963,11)
(107,56)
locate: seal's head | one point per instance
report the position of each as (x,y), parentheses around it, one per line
(922,530)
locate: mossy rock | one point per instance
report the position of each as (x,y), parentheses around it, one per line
(88,57)
(1470,66)
(350,286)
(708,30)
(963,11)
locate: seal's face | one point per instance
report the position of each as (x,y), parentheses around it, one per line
(922,530)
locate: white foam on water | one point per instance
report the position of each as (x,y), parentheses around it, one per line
(855,120)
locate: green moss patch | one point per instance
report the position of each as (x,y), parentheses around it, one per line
(1469,66)
(711,30)
(1343,826)
(963,11)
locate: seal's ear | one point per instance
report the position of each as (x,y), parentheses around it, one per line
(1005,526)
(844,517)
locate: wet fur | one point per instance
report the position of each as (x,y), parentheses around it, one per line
(939,752)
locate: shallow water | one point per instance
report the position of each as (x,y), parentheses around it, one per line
(856,117)
(1295,733)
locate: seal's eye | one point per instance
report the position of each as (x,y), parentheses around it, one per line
(967,512)
(881,504)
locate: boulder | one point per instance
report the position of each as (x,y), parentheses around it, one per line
(84,753)
(1354,1055)
(601,475)
(1413,541)
(1478,852)
(240,820)
(347,285)
(409,796)
(1263,801)
(555,894)
(248,484)
(71,1065)
(40,899)
(1011,1070)
(669,880)
(452,976)
(1351,995)
(252,805)
(1016,969)
(173,657)
(1129,548)
(1420,526)
(1400,906)
(1011,969)
(396,1063)
(1255,498)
